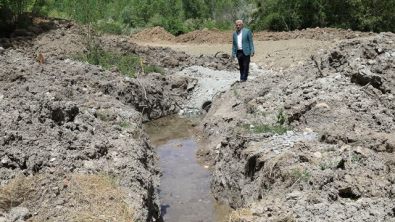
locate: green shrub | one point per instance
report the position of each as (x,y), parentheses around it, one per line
(127,64)
(266,128)
(281,118)
(174,26)
(275,22)
(124,124)
(110,26)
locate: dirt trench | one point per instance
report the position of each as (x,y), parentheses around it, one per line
(71,136)
(72,143)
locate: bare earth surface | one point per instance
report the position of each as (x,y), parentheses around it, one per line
(309,137)
(277,55)
(334,161)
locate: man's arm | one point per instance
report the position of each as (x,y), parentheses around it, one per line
(234,45)
(249,36)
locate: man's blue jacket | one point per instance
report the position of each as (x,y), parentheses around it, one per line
(247,43)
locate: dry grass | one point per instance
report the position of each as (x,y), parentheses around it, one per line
(98,200)
(15,192)
(242,215)
(90,198)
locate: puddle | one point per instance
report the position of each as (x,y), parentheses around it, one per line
(184,193)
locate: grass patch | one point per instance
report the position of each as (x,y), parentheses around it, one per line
(124,124)
(301,174)
(103,115)
(265,128)
(235,93)
(258,126)
(127,64)
(281,118)
(324,165)
(356,158)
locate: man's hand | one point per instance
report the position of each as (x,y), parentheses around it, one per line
(252,54)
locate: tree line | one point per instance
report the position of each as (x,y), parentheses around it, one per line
(363,15)
(181,16)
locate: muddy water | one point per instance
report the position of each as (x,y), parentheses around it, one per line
(185,193)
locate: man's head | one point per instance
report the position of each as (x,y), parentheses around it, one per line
(239,24)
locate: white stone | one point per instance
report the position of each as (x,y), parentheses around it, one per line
(317,155)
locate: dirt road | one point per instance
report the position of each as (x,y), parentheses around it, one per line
(274,50)
(275,55)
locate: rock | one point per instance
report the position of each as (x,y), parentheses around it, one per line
(322,105)
(372,62)
(19,213)
(365,76)
(369,53)
(294,195)
(3,219)
(317,155)
(1,50)
(170,61)
(365,152)
(308,130)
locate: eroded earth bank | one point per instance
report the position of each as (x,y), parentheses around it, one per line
(72,144)
(335,159)
(311,143)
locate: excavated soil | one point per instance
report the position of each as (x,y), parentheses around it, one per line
(336,160)
(73,147)
(156,34)
(215,36)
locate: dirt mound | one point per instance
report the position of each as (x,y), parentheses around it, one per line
(321,34)
(72,117)
(155,34)
(215,36)
(334,161)
(63,119)
(205,37)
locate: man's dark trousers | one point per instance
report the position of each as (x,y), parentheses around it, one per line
(244,64)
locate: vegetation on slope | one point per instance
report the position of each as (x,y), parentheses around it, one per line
(181,16)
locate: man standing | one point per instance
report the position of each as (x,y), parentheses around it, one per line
(243,49)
